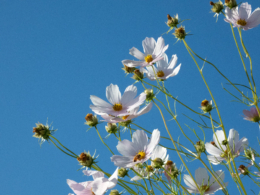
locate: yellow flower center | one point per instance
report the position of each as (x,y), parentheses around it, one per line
(160,73)
(241,22)
(117,107)
(148,58)
(139,156)
(125,117)
(149,168)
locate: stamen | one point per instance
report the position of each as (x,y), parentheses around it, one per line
(118,107)
(139,156)
(241,22)
(125,117)
(160,73)
(148,58)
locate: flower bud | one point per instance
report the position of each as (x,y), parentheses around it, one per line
(138,75)
(217,7)
(180,33)
(91,120)
(224,142)
(206,106)
(149,168)
(243,170)
(200,147)
(111,128)
(157,163)
(171,168)
(249,154)
(139,165)
(41,131)
(125,123)
(114,192)
(149,94)
(230,3)
(172,21)
(122,172)
(128,70)
(85,159)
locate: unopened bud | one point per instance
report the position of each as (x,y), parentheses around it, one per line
(149,94)
(85,159)
(157,163)
(206,106)
(41,131)
(217,7)
(138,75)
(249,154)
(243,170)
(172,21)
(122,172)
(128,70)
(200,147)
(111,128)
(171,168)
(180,33)
(91,120)
(125,123)
(149,168)
(114,192)
(224,142)
(230,3)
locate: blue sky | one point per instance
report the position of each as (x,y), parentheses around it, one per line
(55,54)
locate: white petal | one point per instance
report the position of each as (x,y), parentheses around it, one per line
(136,178)
(154,141)
(201,176)
(244,11)
(112,181)
(162,64)
(140,140)
(218,137)
(129,94)
(158,50)
(136,53)
(159,152)
(136,102)
(145,109)
(189,182)
(132,63)
(113,94)
(127,148)
(94,174)
(122,161)
(233,138)
(215,160)
(254,19)
(99,102)
(173,62)
(241,145)
(99,186)
(148,45)
(212,149)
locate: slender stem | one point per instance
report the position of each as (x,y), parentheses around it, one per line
(62,150)
(103,140)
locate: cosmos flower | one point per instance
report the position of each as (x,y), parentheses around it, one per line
(206,184)
(121,105)
(131,115)
(137,151)
(163,70)
(242,17)
(158,158)
(153,52)
(251,115)
(98,187)
(218,148)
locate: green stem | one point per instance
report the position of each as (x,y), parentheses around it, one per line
(103,140)
(62,150)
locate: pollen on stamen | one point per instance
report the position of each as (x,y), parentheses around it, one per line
(241,22)
(117,107)
(160,73)
(148,58)
(139,156)
(125,117)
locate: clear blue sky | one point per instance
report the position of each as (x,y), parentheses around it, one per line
(55,54)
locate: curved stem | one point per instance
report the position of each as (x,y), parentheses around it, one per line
(103,140)
(63,150)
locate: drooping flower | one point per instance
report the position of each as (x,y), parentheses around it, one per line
(98,186)
(137,151)
(251,115)
(121,105)
(219,150)
(153,52)
(163,70)
(242,17)
(131,115)
(206,185)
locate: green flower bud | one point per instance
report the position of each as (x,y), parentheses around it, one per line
(149,168)
(111,128)
(138,75)
(157,163)
(91,120)
(41,131)
(224,142)
(149,94)
(200,147)
(114,192)
(243,170)
(230,3)
(172,21)
(125,123)
(206,106)
(180,33)
(217,7)
(128,70)
(85,159)
(122,172)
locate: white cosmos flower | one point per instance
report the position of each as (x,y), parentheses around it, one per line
(153,52)
(121,105)
(242,17)
(98,187)
(219,151)
(205,184)
(137,151)
(131,115)
(163,69)
(159,152)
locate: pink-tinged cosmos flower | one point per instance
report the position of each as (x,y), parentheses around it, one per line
(121,105)
(251,115)
(219,151)
(163,70)
(131,115)
(206,184)
(153,52)
(242,17)
(98,187)
(137,151)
